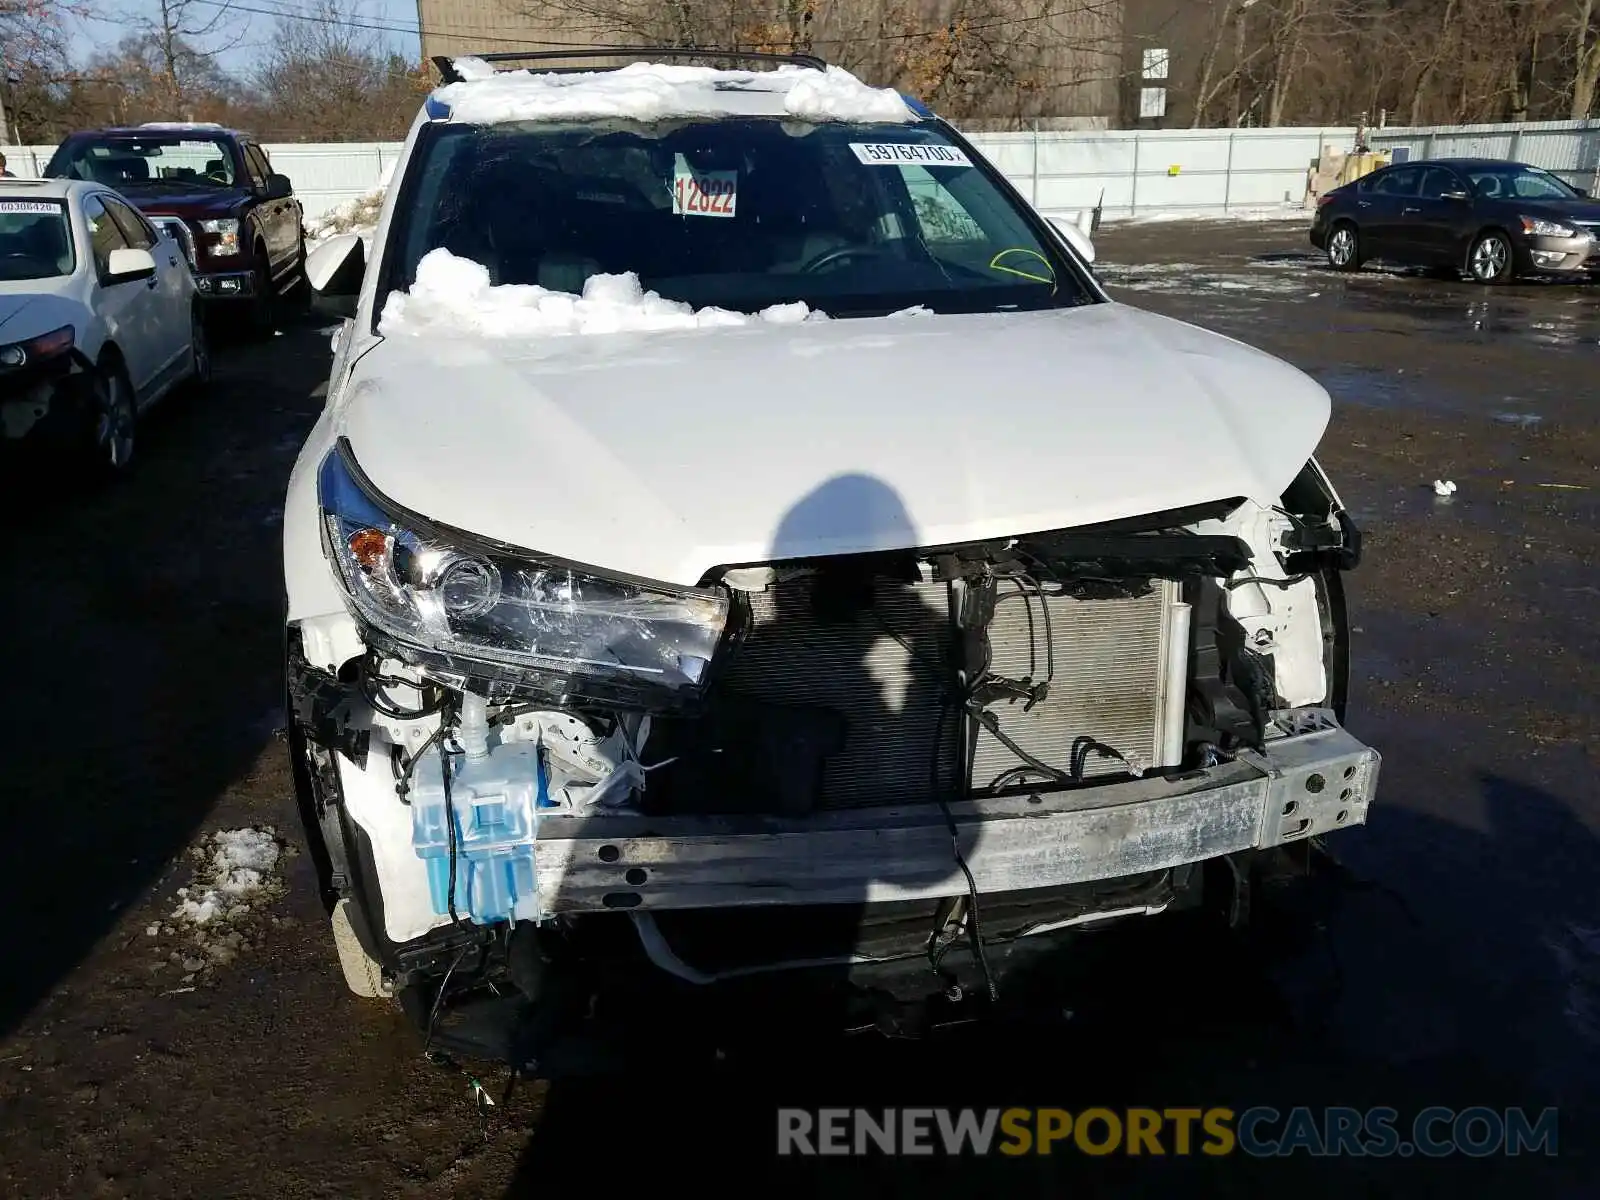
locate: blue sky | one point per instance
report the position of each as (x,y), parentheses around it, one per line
(256,27)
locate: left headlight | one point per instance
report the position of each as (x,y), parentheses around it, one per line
(224,232)
(487,611)
(37,350)
(1539,227)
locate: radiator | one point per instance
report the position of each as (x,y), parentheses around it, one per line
(880,671)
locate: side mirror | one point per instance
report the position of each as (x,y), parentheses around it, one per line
(1457,196)
(128,265)
(335,270)
(279,187)
(1076,238)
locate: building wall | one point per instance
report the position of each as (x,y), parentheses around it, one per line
(1184,28)
(456,27)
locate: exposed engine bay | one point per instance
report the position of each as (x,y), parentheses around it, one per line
(1051,730)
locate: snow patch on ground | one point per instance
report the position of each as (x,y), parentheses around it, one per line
(237,872)
(657,92)
(453,295)
(1193,279)
(353,216)
(237,869)
(1279,212)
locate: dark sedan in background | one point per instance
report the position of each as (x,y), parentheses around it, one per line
(1493,219)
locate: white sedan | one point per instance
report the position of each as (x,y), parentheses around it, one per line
(98,319)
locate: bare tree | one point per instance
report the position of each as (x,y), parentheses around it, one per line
(1586,73)
(186,36)
(328,77)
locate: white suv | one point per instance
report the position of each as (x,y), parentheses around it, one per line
(744,545)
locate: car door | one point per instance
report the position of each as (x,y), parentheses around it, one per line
(130,311)
(1443,204)
(170,297)
(1391,213)
(282,233)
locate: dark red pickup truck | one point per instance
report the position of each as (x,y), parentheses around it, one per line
(213,189)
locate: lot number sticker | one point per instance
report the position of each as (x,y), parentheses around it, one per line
(30,206)
(894,154)
(704,193)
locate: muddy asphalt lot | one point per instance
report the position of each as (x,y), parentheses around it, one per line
(142,690)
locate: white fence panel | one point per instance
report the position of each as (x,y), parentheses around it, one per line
(324,175)
(1570,149)
(1204,171)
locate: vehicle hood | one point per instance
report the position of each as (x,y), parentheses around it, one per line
(29,308)
(662,455)
(164,200)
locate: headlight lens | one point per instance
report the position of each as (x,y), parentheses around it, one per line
(36,350)
(1539,227)
(225,234)
(466,605)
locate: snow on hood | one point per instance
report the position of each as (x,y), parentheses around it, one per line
(662,455)
(657,92)
(453,295)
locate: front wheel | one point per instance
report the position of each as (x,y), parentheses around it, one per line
(1344,248)
(199,352)
(1491,259)
(263,316)
(112,422)
(362,974)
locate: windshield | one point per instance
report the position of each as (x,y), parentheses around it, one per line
(740,214)
(121,162)
(35,242)
(1521,183)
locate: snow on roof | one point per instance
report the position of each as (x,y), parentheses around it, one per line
(656,92)
(453,296)
(180,125)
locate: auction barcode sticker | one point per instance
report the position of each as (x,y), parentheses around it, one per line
(31,206)
(704,193)
(894,154)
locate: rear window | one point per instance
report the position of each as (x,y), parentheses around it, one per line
(35,240)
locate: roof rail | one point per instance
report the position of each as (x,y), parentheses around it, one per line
(447,71)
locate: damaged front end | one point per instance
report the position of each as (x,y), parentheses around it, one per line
(882,779)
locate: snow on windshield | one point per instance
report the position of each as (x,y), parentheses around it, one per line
(655,92)
(453,295)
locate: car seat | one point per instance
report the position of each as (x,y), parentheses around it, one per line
(115,172)
(46,241)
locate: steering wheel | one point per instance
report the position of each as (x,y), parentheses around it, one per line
(828,257)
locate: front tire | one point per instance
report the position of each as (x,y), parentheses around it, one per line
(113,421)
(200,352)
(1344,247)
(263,316)
(362,974)
(1491,260)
